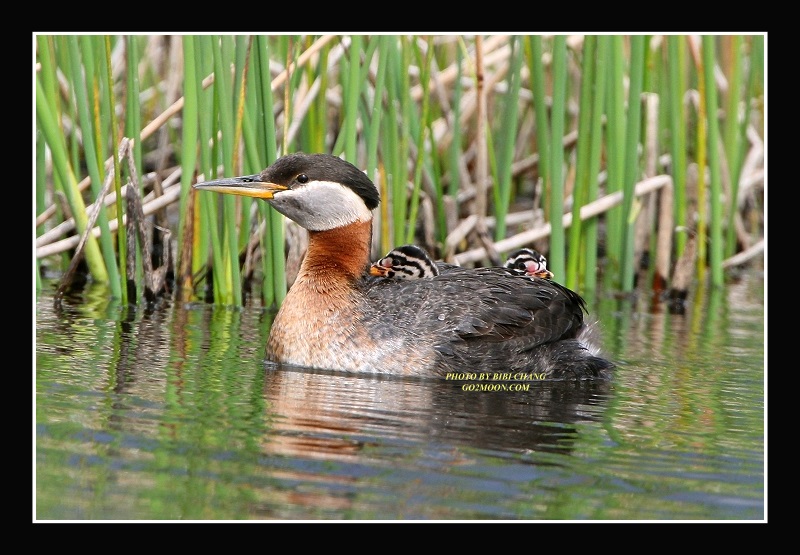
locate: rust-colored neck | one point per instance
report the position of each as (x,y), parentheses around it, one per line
(319,316)
(340,252)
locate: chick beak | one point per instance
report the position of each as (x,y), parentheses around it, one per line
(544,274)
(378,270)
(246,185)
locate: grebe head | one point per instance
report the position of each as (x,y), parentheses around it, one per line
(530,261)
(318,191)
(406,262)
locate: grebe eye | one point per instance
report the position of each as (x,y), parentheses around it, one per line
(302,178)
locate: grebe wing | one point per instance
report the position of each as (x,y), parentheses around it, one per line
(463,308)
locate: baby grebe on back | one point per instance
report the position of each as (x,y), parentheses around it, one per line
(413,262)
(405,262)
(334,317)
(531,261)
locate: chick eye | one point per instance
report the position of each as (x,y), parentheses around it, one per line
(302,178)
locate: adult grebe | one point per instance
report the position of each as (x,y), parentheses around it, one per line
(488,320)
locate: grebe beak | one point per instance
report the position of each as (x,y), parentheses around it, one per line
(544,274)
(246,185)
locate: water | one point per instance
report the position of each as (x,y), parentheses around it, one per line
(172,414)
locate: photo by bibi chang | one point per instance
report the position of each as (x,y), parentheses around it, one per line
(495,381)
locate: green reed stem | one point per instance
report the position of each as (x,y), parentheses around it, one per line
(317,120)
(422,137)
(374,132)
(47,77)
(223,60)
(580,193)
(132,127)
(538,81)
(41,182)
(454,152)
(398,137)
(676,60)
(733,136)
(755,94)
(207,229)
(192,87)
(717,246)
(273,241)
(616,157)
(122,245)
(507,139)
(351,100)
(93,153)
(133,116)
(277,238)
(240,85)
(702,166)
(391,153)
(632,158)
(557,237)
(595,155)
(55,140)
(373,137)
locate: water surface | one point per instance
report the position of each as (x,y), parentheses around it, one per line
(173,414)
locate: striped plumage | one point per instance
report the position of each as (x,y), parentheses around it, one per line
(405,262)
(413,262)
(530,261)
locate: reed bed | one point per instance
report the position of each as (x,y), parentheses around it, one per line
(634,162)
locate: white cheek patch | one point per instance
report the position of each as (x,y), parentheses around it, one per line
(321,205)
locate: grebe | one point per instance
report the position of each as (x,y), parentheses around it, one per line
(532,262)
(488,320)
(413,262)
(405,262)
